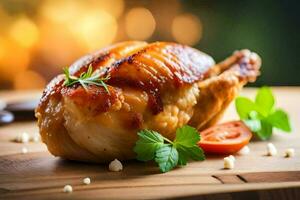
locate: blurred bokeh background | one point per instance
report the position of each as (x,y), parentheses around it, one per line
(40,37)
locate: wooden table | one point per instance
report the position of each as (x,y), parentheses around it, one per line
(39,175)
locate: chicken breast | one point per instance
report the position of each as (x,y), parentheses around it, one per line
(159,86)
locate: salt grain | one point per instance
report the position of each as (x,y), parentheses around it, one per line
(272,151)
(68,189)
(22,138)
(87,181)
(228,163)
(115,166)
(244,151)
(231,157)
(24,150)
(290,152)
(35,138)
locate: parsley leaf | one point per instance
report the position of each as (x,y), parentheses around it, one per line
(183,156)
(151,145)
(261,116)
(149,141)
(166,157)
(186,136)
(190,153)
(186,141)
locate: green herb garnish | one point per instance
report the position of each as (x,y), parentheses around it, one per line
(151,145)
(261,116)
(86,78)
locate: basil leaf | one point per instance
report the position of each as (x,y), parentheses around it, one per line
(265,131)
(265,100)
(244,106)
(261,116)
(253,124)
(280,120)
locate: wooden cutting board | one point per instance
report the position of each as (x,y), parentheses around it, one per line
(39,175)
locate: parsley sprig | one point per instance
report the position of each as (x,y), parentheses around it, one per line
(260,115)
(151,145)
(86,78)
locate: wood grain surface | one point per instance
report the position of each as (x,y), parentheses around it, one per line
(39,175)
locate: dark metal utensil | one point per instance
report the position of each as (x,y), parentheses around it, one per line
(6,117)
(18,111)
(23,110)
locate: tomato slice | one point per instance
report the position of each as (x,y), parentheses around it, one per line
(226,138)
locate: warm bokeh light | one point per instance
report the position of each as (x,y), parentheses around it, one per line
(60,11)
(95,29)
(24,32)
(64,11)
(187,29)
(115,7)
(164,12)
(14,60)
(81,27)
(37,43)
(139,24)
(93,25)
(46,35)
(5,20)
(2,47)
(55,57)
(28,80)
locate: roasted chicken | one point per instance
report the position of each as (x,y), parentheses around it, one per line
(159,86)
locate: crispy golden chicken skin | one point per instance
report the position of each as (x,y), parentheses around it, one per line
(159,86)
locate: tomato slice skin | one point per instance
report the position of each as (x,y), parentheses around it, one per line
(226,138)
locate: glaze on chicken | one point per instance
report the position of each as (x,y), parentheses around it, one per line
(159,86)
